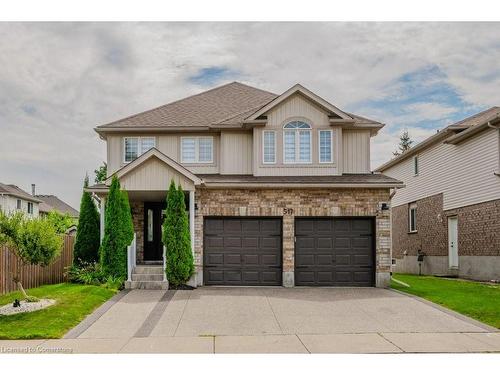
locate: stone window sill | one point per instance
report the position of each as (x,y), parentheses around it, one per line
(413,232)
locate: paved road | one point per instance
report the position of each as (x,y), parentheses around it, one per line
(270,320)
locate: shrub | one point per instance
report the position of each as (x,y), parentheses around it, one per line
(88,233)
(177,239)
(89,273)
(118,232)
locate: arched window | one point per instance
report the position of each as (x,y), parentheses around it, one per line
(297,144)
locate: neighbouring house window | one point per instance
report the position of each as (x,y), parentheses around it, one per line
(136,146)
(30,208)
(325,146)
(297,142)
(415,165)
(269,147)
(412,215)
(197,149)
(18,204)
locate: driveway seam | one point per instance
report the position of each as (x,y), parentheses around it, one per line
(180,318)
(93,317)
(151,321)
(304,345)
(390,342)
(448,311)
(274,314)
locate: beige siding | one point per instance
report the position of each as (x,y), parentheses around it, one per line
(464,173)
(356,151)
(296,108)
(153,175)
(236,152)
(169,144)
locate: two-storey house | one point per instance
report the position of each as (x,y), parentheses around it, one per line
(14,199)
(279,187)
(449,209)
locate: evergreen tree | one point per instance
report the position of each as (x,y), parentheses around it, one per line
(117,235)
(177,239)
(88,233)
(405,143)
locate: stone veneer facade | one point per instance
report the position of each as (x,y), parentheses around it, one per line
(138,221)
(302,202)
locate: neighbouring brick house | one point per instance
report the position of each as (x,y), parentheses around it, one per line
(450,206)
(278,187)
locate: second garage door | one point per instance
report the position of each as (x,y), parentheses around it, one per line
(334,252)
(242,251)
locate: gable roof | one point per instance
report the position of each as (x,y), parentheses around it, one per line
(453,133)
(231,105)
(15,191)
(299,89)
(53,203)
(158,154)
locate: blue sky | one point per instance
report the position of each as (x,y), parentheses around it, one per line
(60,80)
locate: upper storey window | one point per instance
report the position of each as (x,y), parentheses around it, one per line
(197,149)
(297,142)
(136,146)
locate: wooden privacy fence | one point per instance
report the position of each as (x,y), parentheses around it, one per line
(33,276)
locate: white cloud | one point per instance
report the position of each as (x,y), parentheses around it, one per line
(73,77)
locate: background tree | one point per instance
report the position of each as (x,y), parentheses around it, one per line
(34,241)
(177,239)
(61,222)
(101,173)
(118,232)
(405,143)
(88,233)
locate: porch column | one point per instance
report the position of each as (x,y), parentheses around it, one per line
(191,219)
(102,204)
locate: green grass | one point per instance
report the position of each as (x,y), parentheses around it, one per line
(480,301)
(73,303)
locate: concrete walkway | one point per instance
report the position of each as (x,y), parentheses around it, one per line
(269,320)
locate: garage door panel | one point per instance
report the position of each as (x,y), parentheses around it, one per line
(324,243)
(215,259)
(250,250)
(324,260)
(334,251)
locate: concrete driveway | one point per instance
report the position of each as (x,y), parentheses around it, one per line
(298,320)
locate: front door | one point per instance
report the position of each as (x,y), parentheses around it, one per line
(153,246)
(453,241)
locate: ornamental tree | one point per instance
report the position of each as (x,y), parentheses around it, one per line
(87,242)
(177,239)
(34,241)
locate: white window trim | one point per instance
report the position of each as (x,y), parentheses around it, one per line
(264,147)
(139,146)
(411,207)
(415,172)
(297,146)
(319,146)
(197,150)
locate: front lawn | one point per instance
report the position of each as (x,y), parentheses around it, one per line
(73,303)
(480,301)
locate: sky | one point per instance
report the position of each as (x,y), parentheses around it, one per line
(60,80)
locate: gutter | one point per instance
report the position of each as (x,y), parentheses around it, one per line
(242,185)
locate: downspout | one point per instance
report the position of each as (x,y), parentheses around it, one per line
(497,127)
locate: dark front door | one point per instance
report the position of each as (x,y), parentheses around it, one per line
(334,251)
(153,246)
(242,251)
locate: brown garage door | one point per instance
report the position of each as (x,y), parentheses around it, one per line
(334,252)
(242,251)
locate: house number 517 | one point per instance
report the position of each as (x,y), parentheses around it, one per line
(288,211)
